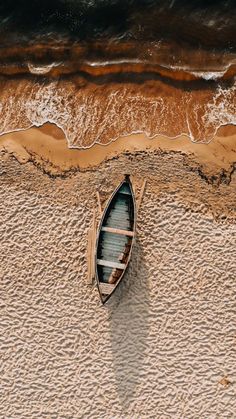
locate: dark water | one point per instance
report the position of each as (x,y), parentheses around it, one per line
(209,23)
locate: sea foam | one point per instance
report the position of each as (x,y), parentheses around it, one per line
(91,114)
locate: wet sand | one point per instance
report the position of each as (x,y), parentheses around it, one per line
(47,147)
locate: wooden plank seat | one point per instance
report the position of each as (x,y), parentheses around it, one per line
(124,193)
(121,226)
(118,231)
(111,264)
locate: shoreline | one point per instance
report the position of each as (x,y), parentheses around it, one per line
(47,147)
(180,284)
(102,108)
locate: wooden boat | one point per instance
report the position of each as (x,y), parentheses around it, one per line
(115,239)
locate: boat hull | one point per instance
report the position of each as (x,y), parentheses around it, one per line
(115,239)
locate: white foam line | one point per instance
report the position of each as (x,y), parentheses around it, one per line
(42,69)
(150,137)
(215,117)
(114,62)
(207,75)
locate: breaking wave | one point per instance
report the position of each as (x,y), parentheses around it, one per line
(89,113)
(41,69)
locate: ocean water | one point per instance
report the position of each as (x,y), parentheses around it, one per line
(102,69)
(99,114)
(197,23)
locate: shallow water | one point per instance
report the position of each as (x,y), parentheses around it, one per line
(101,70)
(90,112)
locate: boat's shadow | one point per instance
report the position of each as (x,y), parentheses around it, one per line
(128,315)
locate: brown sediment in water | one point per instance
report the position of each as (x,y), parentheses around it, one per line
(156,55)
(47,147)
(98,92)
(102,108)
(100,58)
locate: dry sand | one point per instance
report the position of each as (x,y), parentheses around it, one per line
(165,345)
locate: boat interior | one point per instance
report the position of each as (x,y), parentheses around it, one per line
(115,238)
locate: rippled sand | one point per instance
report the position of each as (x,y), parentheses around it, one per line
(164,346)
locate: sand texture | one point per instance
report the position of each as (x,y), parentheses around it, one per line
(47,148)
(165,345)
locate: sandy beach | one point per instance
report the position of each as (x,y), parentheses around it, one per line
(91,91)
(164,346)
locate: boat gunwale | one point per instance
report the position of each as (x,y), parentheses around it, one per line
(126,180)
